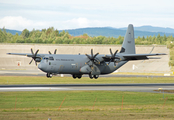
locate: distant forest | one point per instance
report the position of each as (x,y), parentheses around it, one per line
(52,36)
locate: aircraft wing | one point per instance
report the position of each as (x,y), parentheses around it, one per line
(27,54)
(141,56)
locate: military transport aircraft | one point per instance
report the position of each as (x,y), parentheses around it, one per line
(93,65)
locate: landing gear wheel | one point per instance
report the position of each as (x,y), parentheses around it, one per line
(74,76)
(96,76)
(49,75)
(90,76)
(79,76)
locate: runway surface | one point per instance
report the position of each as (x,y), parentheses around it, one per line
(73,87)
(40,73)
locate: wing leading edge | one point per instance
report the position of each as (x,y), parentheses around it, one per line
(27,54)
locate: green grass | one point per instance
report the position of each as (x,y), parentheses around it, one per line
(79,105)
(69,80)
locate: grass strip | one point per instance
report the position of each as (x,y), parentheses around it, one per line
(79,105)
(6,80)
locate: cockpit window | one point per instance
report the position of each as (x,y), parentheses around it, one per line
(45,58)
(51,58)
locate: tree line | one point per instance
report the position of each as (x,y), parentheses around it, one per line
(52,36)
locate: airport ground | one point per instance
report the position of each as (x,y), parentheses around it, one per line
(126,101)
(90,105)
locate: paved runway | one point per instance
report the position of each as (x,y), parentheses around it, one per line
(72,87)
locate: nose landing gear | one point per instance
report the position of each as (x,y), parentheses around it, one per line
(49,75)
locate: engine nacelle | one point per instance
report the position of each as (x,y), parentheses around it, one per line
(85,69)
(38,59)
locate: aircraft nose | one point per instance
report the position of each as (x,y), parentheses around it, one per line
(41,67)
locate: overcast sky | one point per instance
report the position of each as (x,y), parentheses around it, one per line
(71,14)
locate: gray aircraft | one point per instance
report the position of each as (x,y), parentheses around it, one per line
(93,65)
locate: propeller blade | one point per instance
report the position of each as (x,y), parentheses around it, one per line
(97,61)
(91,53)
(95,55)
(92,64)
(111,52)
(88,56)
(36,63)
(31,61)
(36,53)
(87,62)
(55,51)
(115,64)
(109,62)
(49,52)
(32,51)
(115,52)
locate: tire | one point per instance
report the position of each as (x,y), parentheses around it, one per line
(74,76)
(49,75)
(79,76)
(96,76)
(90,76)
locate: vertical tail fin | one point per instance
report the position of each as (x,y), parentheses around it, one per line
(128,46)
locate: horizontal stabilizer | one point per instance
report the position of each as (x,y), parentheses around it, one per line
(140,56)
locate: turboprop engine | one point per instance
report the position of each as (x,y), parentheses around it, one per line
(85,69)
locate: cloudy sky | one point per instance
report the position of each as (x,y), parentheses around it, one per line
(71,14)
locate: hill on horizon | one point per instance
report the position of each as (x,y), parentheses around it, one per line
(149,28)
(114,32)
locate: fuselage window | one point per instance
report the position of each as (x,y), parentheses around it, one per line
(51,58)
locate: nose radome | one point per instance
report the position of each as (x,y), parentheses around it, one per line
(40,66)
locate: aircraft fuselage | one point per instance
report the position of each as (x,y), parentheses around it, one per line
(75,64)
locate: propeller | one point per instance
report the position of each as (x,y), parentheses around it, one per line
(113,57)
(54,51)
(34,56)
(92,58)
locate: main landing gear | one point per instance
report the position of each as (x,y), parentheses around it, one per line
(93,76)
(49,75)
(76,76)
